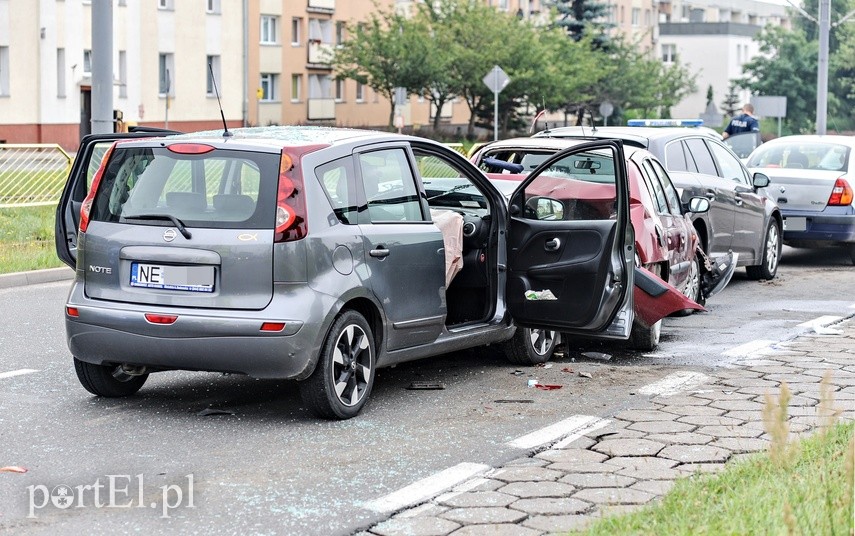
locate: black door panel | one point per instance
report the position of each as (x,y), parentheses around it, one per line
(570,243)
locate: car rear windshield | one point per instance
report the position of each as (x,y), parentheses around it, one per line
(219,189)
(797,155)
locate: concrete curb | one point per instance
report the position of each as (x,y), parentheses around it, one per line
(19,279)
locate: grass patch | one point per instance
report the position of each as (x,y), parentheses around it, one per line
(27,239)
(805,488)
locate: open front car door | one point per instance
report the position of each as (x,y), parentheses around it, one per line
(570,244)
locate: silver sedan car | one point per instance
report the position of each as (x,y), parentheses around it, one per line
(812,181)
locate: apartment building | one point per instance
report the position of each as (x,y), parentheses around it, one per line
(715,38)
(161,53)
(270,60)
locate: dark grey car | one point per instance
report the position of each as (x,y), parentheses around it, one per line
(742,217)
(313,254)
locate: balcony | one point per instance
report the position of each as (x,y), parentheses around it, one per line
(320,54)
(320,6)
(321,109)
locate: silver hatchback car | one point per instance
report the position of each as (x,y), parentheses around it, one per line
(321,254)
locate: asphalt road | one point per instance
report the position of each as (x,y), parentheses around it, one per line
(267,467)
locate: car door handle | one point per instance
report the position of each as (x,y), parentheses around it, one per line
(738,200)
(710,194)
(552,245)
(379,252)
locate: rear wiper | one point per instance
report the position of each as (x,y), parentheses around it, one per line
(175,221)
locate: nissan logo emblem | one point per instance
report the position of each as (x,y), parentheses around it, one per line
(169,235)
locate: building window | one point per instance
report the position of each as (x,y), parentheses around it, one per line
(214,80)
(212,6)
(669,53)
(320,86)
(339,90)
(340,28)
(123,74)
(166,4)
(60,73)
(360,92)
(269,89)
(269,29)
(296,85)
(4,71)
(636,16)
(502,5)
(87,62)
(296,24)
(320,31)
(166,72)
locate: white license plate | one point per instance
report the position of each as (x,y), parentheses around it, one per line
(795,224)
(168,277)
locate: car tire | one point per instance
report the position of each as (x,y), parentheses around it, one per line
(771,255)
(107,380)
(852,252)
(645,338)
(531,346)
(342,381)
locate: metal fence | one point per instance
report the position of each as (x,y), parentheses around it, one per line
(32,174)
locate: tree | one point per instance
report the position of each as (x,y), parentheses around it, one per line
(786,61)
(379,55)
(583,17)
(709,95)
(730,105)
(636,81)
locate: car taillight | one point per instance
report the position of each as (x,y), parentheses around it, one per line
(291,214)
(86,207)
(841,194)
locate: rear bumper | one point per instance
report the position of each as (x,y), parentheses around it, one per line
(215,341)
(834,225)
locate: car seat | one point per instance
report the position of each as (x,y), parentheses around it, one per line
(796,159)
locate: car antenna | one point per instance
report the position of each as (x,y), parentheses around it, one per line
(226,133)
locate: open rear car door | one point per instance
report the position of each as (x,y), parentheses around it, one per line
(570,244)
(89,154)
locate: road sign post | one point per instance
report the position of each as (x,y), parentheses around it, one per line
(496,80)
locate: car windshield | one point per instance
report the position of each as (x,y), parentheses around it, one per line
(806,155)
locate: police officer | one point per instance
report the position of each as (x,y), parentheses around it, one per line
(746,122)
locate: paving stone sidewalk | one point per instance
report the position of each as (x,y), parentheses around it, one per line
(638,456)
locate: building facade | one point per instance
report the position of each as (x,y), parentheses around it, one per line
(715,38)
(269,60)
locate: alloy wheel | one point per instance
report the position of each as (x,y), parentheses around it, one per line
(351,366)
(542,340)
(773,248)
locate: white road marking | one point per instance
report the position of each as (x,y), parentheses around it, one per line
(749,349)
(596,425)
(426,488)
(571,425)
(17,373)
(672,384)
(821,321)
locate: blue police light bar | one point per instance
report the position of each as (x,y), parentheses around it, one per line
(665,122)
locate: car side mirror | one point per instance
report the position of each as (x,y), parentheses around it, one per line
(544,208)
(760,180)
(699,204)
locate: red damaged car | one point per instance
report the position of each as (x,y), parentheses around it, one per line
(666,242)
